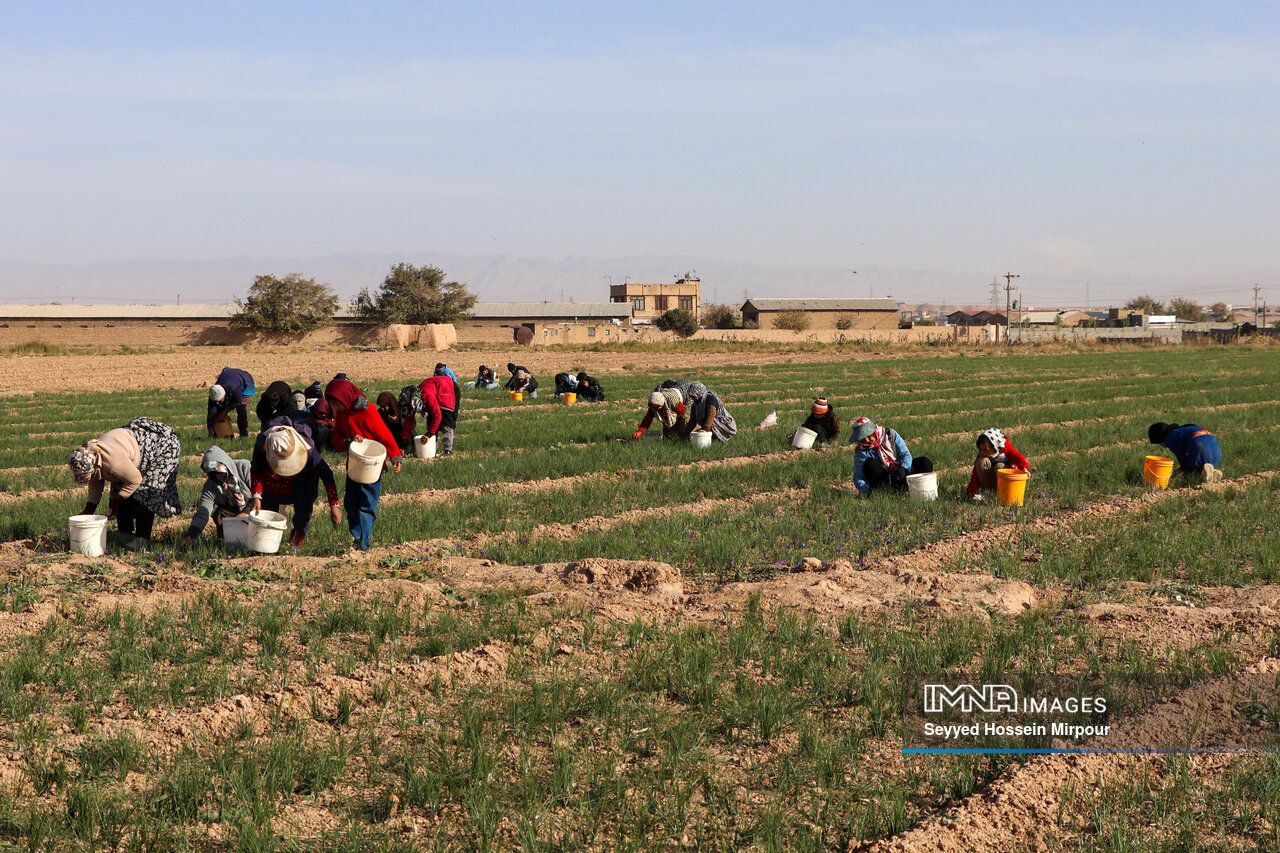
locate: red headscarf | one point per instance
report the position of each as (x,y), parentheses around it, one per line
(344,391)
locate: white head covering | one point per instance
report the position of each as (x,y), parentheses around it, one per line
(996,437)
(656,399)
(217,393)
(300,401)
(286,450)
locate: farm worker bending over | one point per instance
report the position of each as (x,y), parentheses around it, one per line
(227,491)
(589,389)
(1196,449)
(354,419)
(521,380)
(486,379)
(882,458)
(995,451)
(275,402)
(566,383)
(823,420)
(140,461)
(322,421)
(707,413)
(287,469)
(440,405)
(394,420)
(312,393)
(228,392)
(443,369)
(668,406)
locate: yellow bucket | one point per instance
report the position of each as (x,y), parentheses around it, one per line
(516,395)
(569,398)
(1011,486)
(1156,471)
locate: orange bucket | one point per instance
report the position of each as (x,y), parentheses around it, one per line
(517,396)
(1011,486)
(1156,471)
(569,397)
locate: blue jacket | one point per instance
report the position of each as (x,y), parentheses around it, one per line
(1185,444)
(238,384)
(862,455)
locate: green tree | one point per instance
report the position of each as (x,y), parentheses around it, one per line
(1187,309)
(414,295)
(719,317)
(1145,304)
(288,305)
(679,321)
(792,321)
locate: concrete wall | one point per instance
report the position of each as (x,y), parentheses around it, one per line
(1074,334)
(828,319)
(826,336)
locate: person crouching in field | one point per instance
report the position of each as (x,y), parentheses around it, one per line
(353,418)
(588,389)
(394,418)
(668,406)
(565,384)
(995,451)
(823,420)
(708,413)
(521,380)
(440,408)
(486,379)
(140,461)
(882,459)
(227,491)
(1196,448)
(287,469)
(229,391)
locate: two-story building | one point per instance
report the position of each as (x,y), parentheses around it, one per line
(650,300)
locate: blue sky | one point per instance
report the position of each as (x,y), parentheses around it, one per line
(1085,140)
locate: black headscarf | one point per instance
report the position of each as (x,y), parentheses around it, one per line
(277,400)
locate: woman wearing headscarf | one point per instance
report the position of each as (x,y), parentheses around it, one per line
(277,400)
(229,391)
(589,388)
(353,418)
(823,420)
(322,421)
(668,406)
(140,461)
(1196,448)
(995,451)
(443,369)
(486,379)
(707,413)
(521,379)
(227,490)
(565,383)
(288,469)
(400,426)
(882,458)
(439,396)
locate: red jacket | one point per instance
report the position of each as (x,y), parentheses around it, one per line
(438,392)
(357,423)
(1011,459)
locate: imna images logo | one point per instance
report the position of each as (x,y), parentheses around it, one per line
(968,698)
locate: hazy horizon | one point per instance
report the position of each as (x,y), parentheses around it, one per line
(1119,148)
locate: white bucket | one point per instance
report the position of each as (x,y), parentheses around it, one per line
(424,447)
(365,459)
(266,529)
(923,486)
(235,533)
(88,534)
(701,439)
(803,439)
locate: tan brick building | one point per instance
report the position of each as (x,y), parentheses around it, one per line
(824,313)
(650,300)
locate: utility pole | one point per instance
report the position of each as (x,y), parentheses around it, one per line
(995,291)
(1255,303)
(1008,302)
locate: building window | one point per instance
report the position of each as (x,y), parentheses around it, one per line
(591,331)
(637,303)
(686,303)
(660,303)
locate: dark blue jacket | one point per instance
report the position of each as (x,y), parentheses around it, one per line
(1186,444)
(238,384)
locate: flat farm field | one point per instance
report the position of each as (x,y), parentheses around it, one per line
(566,640)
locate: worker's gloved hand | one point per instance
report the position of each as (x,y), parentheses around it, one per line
(638,434)
(395,465)
(335,515)
(89,509)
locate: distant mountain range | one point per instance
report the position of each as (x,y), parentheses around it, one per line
(581,279)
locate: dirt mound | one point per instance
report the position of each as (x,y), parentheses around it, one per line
(1160,628)
(637,576)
